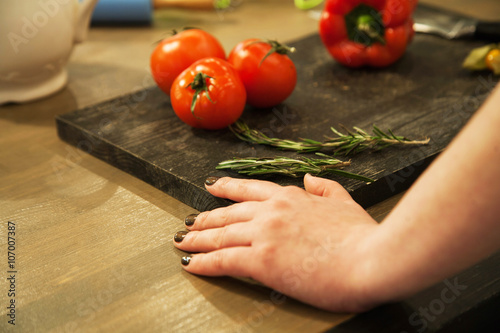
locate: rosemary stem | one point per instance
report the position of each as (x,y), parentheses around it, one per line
(290,166)
(352,142)
(328,143)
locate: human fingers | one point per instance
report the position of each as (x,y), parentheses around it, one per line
(241,189)
(325,188)
(219,217)
(214,239)
(227,261)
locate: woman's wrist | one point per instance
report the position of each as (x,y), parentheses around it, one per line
(365,278)
(383,271)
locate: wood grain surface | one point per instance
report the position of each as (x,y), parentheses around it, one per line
(93,243)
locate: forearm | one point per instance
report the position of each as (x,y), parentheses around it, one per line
(449,219)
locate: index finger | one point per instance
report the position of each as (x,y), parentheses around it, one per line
(241,189)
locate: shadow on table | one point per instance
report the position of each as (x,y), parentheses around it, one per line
(256,307)
(41,112)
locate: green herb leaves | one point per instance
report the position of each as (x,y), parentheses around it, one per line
(344,144)
(352,142)
(292,167)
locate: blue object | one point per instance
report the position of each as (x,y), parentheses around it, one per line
(132,12)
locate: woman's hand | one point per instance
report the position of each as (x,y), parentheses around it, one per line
(312,245)
(322,248)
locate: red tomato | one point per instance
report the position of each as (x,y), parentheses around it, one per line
(268,78)
(209,94)
(174,54)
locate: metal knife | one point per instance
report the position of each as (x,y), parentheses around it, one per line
(450,25)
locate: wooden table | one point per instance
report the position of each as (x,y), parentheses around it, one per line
(93,248)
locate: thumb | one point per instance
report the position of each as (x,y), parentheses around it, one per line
(325,188)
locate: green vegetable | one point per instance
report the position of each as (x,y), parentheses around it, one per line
(476,59)
(307,4)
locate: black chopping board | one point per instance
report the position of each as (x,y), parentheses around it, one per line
(425,94)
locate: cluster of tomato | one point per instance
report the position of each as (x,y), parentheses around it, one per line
(208,90)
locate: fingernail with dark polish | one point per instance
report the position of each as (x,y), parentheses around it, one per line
(179,236)
(211,180)
(185,260)
(189,220)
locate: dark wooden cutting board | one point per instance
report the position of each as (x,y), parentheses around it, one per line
(425,94)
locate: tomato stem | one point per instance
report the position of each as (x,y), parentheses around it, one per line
(275,47)
(199,85)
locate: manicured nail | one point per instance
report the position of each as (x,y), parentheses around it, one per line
(211,180)
(189,220)
(185,260)
(179,236)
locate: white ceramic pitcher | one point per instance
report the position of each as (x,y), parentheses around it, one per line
(36,40)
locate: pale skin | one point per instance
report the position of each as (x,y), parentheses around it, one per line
(319,246)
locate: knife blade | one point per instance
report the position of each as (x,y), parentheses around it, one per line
(451,25)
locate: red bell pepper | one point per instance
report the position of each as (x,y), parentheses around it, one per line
(367,32)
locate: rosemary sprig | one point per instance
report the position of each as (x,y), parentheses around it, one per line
(291,167)
(352,142)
